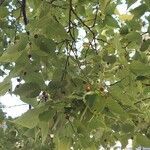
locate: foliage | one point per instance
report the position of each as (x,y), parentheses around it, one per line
(96,62)
(16,137)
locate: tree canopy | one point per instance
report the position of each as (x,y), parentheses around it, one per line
(83,66)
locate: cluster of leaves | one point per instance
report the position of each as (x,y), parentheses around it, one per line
(16,137)
(96,63)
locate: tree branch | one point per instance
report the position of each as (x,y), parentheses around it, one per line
(1,2)
(97,8)
(70,22)
(24,12)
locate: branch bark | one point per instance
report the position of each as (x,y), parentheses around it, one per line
(24,12)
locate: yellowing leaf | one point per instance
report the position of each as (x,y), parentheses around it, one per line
(62,144)
(126,17)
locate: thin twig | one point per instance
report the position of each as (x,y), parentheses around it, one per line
(117,82)
(72,126)
(78,64)
(66,65)
(95,18)
(70,22)
(142,100)
(86,27)
(15,106)
(81,118)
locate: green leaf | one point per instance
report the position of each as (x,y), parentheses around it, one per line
(52,28)
(44,44)
(96,122)
(124,30)
(118,93)
(28,90)
(54,58)
(20,44)
(139,68)
(35,78)
(44,130)
(115,107)
(28,119)
(95,101)
(4,87)
(130,2)
(9,57)
(145,45)
(110,8)
(127,127)
(63,144)
(3,12)
(54,85)
(147,3)
(142,140)
(109,58)
(30,133)
(81,10)
(110,21)
(133,37)
(32,101)
(124,140)
(104,4)
(139,11)
(46,115)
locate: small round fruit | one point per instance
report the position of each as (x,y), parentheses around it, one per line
(18,80)
(35,36)
(28,33)
(88,88)
(101,89)
(17,86)
(29,56)
(67,117)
